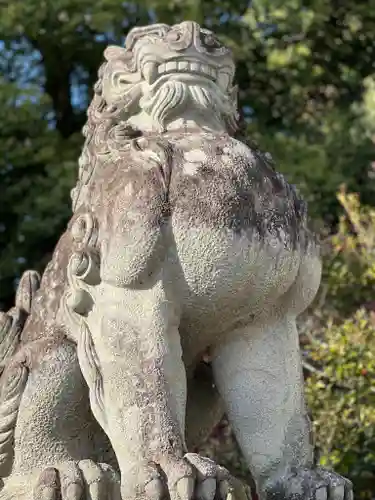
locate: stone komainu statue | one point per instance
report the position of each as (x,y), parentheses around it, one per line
(182,239)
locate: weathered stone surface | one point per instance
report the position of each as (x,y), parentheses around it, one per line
(182,240)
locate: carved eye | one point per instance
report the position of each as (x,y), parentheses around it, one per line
(210,41)
(174,36)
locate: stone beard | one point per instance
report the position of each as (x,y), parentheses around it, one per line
(170,98)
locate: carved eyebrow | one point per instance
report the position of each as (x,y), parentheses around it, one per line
(138,32)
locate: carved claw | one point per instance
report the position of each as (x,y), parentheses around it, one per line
(185,488)
(48,485)
(74,491)
(84,480)
(226,490)
(206,490)
(155,489)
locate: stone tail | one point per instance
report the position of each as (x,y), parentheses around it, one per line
(14,373)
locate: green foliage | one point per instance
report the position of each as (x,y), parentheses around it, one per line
(341,395)
(340,353)
(349,271)
(316,127)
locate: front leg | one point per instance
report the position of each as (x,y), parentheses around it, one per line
(258,372)
(142,387)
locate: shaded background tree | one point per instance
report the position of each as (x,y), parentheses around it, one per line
(305,71)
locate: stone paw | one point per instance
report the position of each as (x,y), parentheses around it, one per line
(73,480)
(309,484)
(214,481)
(191,477)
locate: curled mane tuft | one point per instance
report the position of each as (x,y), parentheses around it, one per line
(101,118)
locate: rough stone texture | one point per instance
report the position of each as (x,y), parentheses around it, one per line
(183,242)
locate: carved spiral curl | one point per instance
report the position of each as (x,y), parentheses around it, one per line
(83,275)
(83,267)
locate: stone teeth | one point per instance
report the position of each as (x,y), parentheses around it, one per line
(171,66)
(183,65)
(195,66)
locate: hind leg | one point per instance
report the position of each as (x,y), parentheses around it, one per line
(259,375)
(54,424)
(204,406)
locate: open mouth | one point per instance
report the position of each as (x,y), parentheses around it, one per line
(190,67)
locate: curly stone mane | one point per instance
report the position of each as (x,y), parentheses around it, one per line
(101,120)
